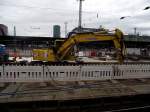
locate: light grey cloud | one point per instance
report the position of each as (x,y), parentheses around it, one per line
(44,14)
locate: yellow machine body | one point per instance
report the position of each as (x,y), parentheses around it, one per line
(64,51)
(44,55)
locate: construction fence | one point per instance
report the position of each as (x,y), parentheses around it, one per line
(14,73)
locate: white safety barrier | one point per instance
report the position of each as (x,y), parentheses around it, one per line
(132,71)
(14,73)
(97,72)
(62,73)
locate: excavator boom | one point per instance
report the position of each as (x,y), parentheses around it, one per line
(116,37)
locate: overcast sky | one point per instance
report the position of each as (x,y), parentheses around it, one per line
(37,17)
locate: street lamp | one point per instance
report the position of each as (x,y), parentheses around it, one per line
(146,8)
(123,17)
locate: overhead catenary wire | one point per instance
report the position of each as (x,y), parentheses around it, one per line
(49,10)
(44,8)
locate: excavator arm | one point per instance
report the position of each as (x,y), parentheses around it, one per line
(74,39)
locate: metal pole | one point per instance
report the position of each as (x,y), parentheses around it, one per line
(66,23)
(14,30)
(15,44)
(135,29)
(80,14)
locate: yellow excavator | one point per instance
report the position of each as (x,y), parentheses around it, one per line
(64,51)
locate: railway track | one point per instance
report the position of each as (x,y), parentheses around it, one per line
(109,104)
